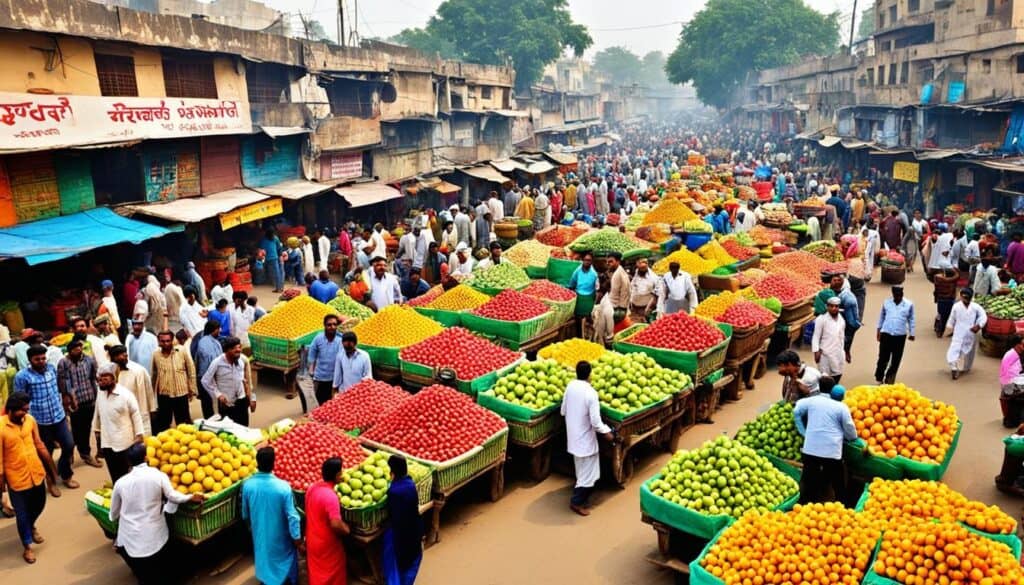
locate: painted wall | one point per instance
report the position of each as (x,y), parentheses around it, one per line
(23,68)
(266,161)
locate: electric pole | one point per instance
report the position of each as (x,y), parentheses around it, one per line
(853,22)
(341,22)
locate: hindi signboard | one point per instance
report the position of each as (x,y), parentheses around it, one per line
(906,171)
(30,121)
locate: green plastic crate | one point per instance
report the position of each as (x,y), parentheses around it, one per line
(102,516)
(446,318)
(699,365)
(382,356)
(195,523)
(517,332)
(421,375)
(275,351)
(560,271)
(366,520)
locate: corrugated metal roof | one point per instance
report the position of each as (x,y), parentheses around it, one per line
(363,194)
(196,209)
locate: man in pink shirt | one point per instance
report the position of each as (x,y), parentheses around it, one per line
(1011,380)
(1015,257)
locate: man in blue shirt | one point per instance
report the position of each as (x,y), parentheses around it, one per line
(352,364)
(323,352)
(323,289)
(222,316)
(413,284)
(584,283)
(825,422)
(206,349)
(895,325)
(271,245)
(39,381)
(269,508)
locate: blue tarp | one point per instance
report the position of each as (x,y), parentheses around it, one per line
(1014,142)
(62,237)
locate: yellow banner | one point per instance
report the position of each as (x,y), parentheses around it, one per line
(268,208)
(906,171)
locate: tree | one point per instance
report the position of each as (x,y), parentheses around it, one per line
(619,64)
(532,33)
(728,39)
(866,28)
(654,69)
(316,31)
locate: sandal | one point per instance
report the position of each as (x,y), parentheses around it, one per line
(29,555)
(7,511)
(36,537)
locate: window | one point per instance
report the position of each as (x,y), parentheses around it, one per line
(892,14)
(871,76)
(485,92)
(189,79)
(267,83)
(1020,64)
(881,20)
(990,7)
(986,65)
(892,74)
(881,75)
(904,72)
(913,5)
(116,75)
(357,99)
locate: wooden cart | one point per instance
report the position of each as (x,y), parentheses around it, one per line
(537,439)
(676,549)
(707,396)
(288,375)
(744,370)
(662,425)
(496,473)
(367,549)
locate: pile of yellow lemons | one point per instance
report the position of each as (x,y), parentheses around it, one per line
(199,462)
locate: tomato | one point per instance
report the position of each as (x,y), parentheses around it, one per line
(360,406)
(511,305)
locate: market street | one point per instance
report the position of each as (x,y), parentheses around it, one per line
(530,536)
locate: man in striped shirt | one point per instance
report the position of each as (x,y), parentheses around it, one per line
(174,379)
(76,380)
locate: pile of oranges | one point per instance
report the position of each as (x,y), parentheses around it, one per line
(897,420)
(926,553)
(816,544)
(901,502)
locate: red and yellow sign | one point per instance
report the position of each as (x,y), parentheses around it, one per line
(252,212)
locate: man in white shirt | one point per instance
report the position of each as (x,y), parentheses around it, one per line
(323,247)
(137,505)
(407,244)
(242,317)
(461,262)
(966,321)
(192,314)
(827,341)
(676,292)
(941,257)
(643,292)
(449,238)
(582,424)
(986,281)
(384,287)
(136,379)
(746,219)
(496,207)
(116,421)
(380,246)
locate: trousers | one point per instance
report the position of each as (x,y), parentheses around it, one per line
(59,434)
(151,570)
(324,390)
(81,428)
(818,474)
(118,464)
(890,354)
(238,412)
(168,409)
(205,401)
(28,506)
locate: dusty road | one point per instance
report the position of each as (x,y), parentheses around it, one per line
(530,536)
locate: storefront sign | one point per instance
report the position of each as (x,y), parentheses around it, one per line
(50,121)
(242,215)
(341,165)
(906,171)
(965,177)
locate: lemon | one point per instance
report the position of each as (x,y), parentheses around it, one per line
(187,478)
(209,484)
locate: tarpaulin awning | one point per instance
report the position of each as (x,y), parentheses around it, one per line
(562,158)
(434,183)
(294,189)
(196,209)
(63,237)
(507,165)
(539,167)
(363,194)
(486,173)
(855,144)
(508,113)
(278,131)
(936,154)
(890,152)
(1013,165)
(830,141)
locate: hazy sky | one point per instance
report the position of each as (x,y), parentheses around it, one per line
(640,25)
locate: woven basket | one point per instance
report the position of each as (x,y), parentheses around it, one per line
(893,274)
(533,432)
(744,344)
(195,523)
(796,310)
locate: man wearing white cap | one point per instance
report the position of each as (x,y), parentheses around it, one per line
(827,341)
(461,262)
(117,421)
(108,304)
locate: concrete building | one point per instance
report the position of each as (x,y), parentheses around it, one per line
(247,14)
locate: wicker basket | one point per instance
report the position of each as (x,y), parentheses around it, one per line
(366,520)
(796,310)
(274,351)
(517,332)
(893,274)
(533,432)
(745,343)
(699,365)
(196,523)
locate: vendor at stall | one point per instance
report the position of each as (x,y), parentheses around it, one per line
(460,263)
(986,279)
(825,423)
(643,292)
(493,259)
(1011,382)
(385,289)
(798,380)
(676,292)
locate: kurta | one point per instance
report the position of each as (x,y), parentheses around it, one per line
(324,552)
(135,378)
(268,506)
(525,209)
(964,343)
(829,334)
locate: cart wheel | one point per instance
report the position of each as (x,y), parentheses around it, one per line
(497,483)
(540,462)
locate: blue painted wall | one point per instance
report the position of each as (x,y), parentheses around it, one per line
(266,161)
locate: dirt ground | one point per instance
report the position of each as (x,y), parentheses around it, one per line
(530,536)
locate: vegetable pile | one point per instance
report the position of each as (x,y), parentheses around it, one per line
(436,424)
(738,251)
(679,332)
(511,305)
(572,351)
(302,451)
(697,226)
(897,420)
(427,297)
(348,307)
(469,355)
(367,485)
(714,252)
(606,240)
(744,314)
(785,287)
(545,289)
(528,253)
(825,250)
(361,406)
(535,385)
(723,477)
(295,318)
(459,298)
(561,236)
(773,432)
(688,262)
(816,544)
(395,326)
(905,501)
(671,211)
(500,276)
(1003,306)
(628,382)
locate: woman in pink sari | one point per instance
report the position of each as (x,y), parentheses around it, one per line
(325,553)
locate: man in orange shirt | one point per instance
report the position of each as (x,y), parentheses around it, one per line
(22,455)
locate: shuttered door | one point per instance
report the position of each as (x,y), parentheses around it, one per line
(7,214)
(34,186)
(74,180)
(220,164)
